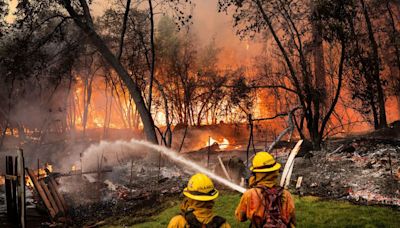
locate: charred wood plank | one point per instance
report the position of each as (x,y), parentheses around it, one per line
(21,188)
(11,212)
(59,195)
(50,197)
(53,192)
(41,192)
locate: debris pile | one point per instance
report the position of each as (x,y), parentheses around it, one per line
(362,171)
(130,189)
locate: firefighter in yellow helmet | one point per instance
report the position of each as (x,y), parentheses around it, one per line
(266,204)
(196,208)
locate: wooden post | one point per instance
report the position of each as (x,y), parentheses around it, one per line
(9,184)
(38,168)
(80,157)
(14,189)
(41,192)
(21,188)
(224,169)
(131,177)
(208,152)
(298,183)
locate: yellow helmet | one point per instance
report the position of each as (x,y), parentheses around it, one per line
(201,188)
(264,162)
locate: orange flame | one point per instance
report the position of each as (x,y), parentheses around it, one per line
(223,144)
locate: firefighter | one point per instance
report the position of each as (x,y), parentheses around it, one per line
(266,204)
(196,208)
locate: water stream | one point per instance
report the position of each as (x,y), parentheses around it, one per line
(137,146)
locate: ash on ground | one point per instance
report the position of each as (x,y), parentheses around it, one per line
(131,189)
(362,170)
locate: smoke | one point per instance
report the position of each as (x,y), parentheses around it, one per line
(109,154)
(112,152)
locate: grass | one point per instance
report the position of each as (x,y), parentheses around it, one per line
(310,212)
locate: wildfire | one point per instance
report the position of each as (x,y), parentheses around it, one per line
(40,173)
(223,144)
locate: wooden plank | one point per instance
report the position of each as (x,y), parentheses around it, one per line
(60,196)
(21,188)
(49,196)
(224,169)
(289,174)
(14,189)
(8,183)
(299,181)
(287,171)
(10,177)
(53,192)
(41,192)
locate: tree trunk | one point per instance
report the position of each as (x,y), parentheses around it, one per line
(134,90)
(319,64)
(395,40)
(376,73)
(153,55)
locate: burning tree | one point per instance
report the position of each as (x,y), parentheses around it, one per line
(291,23)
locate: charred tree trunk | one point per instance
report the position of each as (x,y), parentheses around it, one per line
(319,64)
(87,96)
(153,55)
(395,41)
(86,25)
(376,64)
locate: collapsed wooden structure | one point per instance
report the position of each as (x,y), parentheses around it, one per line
(52,199)
(46,187)
(15,189)
(15,181)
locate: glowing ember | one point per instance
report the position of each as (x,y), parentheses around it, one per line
(223,144)
(49,167)
(40,173)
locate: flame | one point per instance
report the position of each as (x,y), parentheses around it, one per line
(40,173)
(73,168)
(223,144)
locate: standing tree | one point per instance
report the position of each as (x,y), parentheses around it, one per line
(288,23)
(80,13)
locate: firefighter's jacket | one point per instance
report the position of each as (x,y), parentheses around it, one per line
(202,211)
(252,202)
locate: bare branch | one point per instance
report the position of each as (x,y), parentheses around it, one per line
(123,31)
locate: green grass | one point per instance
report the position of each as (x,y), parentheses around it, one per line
(310,212)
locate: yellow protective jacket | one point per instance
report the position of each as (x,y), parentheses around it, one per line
(201,210)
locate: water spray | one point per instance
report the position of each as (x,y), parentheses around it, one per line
(177,158)
(134,145)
